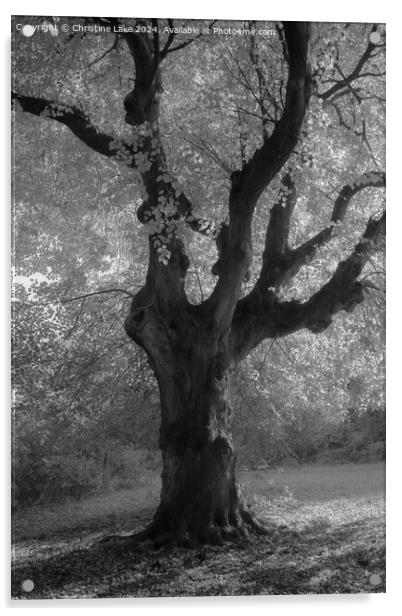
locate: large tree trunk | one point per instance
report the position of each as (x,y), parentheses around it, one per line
(200,498)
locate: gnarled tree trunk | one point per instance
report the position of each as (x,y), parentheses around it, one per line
(200,498)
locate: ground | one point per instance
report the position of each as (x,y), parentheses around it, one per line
(327,536)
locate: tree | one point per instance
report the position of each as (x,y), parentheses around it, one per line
(266,156)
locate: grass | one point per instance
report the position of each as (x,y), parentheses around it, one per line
(327,536)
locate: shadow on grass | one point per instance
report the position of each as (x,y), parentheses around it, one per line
(320,558)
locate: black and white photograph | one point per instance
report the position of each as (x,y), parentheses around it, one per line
(197,307)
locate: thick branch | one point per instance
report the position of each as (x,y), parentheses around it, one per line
(256,319)
(277,235)
(375,179)
(343,291)
(281,263)
(304,253)
(253,178)
(142,103)
(76,121)
(248,184)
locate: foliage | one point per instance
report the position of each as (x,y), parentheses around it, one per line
(79,398)
(294,397)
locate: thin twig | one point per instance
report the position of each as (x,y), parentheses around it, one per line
(85,295)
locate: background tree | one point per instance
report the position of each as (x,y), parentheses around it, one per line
(288,121)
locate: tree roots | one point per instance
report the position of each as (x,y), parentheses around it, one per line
(193,537)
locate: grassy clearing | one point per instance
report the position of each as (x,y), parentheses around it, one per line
(327,537)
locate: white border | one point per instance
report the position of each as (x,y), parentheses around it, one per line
(340,10)
(292,10)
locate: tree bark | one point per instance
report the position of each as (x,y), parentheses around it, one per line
(201,501)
